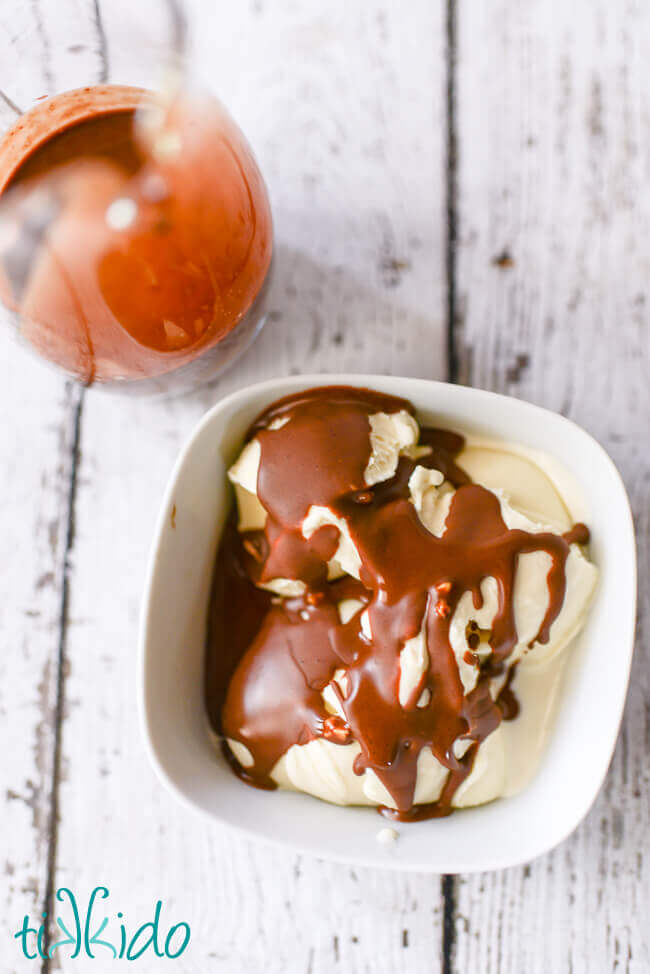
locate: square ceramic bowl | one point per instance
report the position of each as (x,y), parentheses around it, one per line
(504,833)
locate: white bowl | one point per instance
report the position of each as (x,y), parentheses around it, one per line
(506,832)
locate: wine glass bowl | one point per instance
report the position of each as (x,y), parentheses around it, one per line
(135,234)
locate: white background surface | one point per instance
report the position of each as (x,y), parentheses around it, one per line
(354,111)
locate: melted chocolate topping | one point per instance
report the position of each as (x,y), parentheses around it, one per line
(269,659)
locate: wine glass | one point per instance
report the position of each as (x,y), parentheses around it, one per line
(135,227)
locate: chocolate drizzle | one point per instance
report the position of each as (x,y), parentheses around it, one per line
(272,657)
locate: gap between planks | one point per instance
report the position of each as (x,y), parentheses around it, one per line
(448,883)
(74,401)
(74,409)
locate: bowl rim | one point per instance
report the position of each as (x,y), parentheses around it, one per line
(283,385)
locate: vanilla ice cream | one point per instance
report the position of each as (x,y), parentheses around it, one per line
(417,593)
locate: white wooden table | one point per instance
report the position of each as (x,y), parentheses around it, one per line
(459,191)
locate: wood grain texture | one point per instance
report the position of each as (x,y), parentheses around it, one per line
(44,47)
(344,106)
(34,446)
(553,179)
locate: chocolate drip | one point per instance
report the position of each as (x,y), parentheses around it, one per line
(411,580)
(507,701)
(579,534)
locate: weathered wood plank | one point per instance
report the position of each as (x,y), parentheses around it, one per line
(34,447)
(344,106)
(46,47)
(36,450)
(554,148)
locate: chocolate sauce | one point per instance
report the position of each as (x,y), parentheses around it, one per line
(579,534)
(507,701)
(272,657)
(102,137)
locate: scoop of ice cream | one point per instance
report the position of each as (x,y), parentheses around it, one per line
(432,498)
(391,435)
(411,611)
